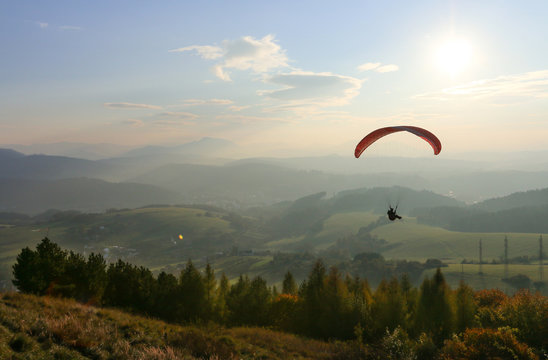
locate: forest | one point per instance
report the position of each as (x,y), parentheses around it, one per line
(395,320)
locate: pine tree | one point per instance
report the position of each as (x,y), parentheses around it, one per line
(465,307)
(166,298)
(312,293)
(289,286)
(335,320)
(41,271)
(237,301)
(25,272)
(389,307)
(209,286)
(193,293)
(258,300)
(434,313)
(96,275)
(74,282)
(221,308)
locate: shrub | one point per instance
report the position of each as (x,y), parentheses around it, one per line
(478,344)
(20,342)
(528,313)
(425,349)
(397,345)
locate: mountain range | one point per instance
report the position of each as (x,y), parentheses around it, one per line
(198,172)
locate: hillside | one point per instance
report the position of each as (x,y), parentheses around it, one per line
(49,328)
(201,173)
(146,236)
(520,199)
(243,184)
(82,194)
(45,167)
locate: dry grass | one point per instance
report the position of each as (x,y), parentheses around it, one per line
(51,328)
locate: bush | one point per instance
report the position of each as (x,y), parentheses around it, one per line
(20,343)
(396,345)
(478,344)
(425,349)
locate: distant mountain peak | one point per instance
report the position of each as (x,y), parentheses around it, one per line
(9,153)
(206,146)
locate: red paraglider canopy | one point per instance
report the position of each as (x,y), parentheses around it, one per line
(379,133)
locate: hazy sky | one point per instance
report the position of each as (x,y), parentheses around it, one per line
(278,76)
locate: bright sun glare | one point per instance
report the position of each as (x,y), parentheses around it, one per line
(454,56)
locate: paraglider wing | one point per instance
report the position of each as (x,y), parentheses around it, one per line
(379,133)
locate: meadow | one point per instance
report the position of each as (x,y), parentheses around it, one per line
(150,237)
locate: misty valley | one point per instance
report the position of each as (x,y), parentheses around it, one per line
(253,242)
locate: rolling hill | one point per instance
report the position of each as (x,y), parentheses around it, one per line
(49,328)
(33,196)
(45,167)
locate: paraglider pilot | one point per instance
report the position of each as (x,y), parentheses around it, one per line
(392,214)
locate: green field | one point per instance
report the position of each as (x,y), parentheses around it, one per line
(420,242)
(153,233)
(491,276)
(335,227)
(415,241)
(150,237)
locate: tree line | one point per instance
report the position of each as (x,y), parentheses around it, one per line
(326,305)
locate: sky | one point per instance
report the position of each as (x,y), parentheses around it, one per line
(279,78)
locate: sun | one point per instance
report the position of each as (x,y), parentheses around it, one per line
(453,56)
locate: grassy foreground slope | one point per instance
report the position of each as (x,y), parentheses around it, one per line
(49,328)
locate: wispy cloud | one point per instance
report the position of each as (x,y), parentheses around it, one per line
(125,105)
(246,53)
(134,122)
(239,108)
(378,67)
(526,85)
(369,66)
(171,123)
(320,89)
(248,119)
(208,52)
(70,28)
(178,114)
(42,25)
(199,102)
(387,68)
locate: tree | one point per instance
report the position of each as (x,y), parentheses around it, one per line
(39,272)
(289,286)
(312,291)
(285,312)
(434,313)
(258,302)
(73,283)
(335,318)
(123,288)
(209,286)
(486,344)
(221,309)
(193,293)
(360,301)
(96,275)
(25,272)
(465,307)
(236,301)
(389,307)
(166,298)
(528,313)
